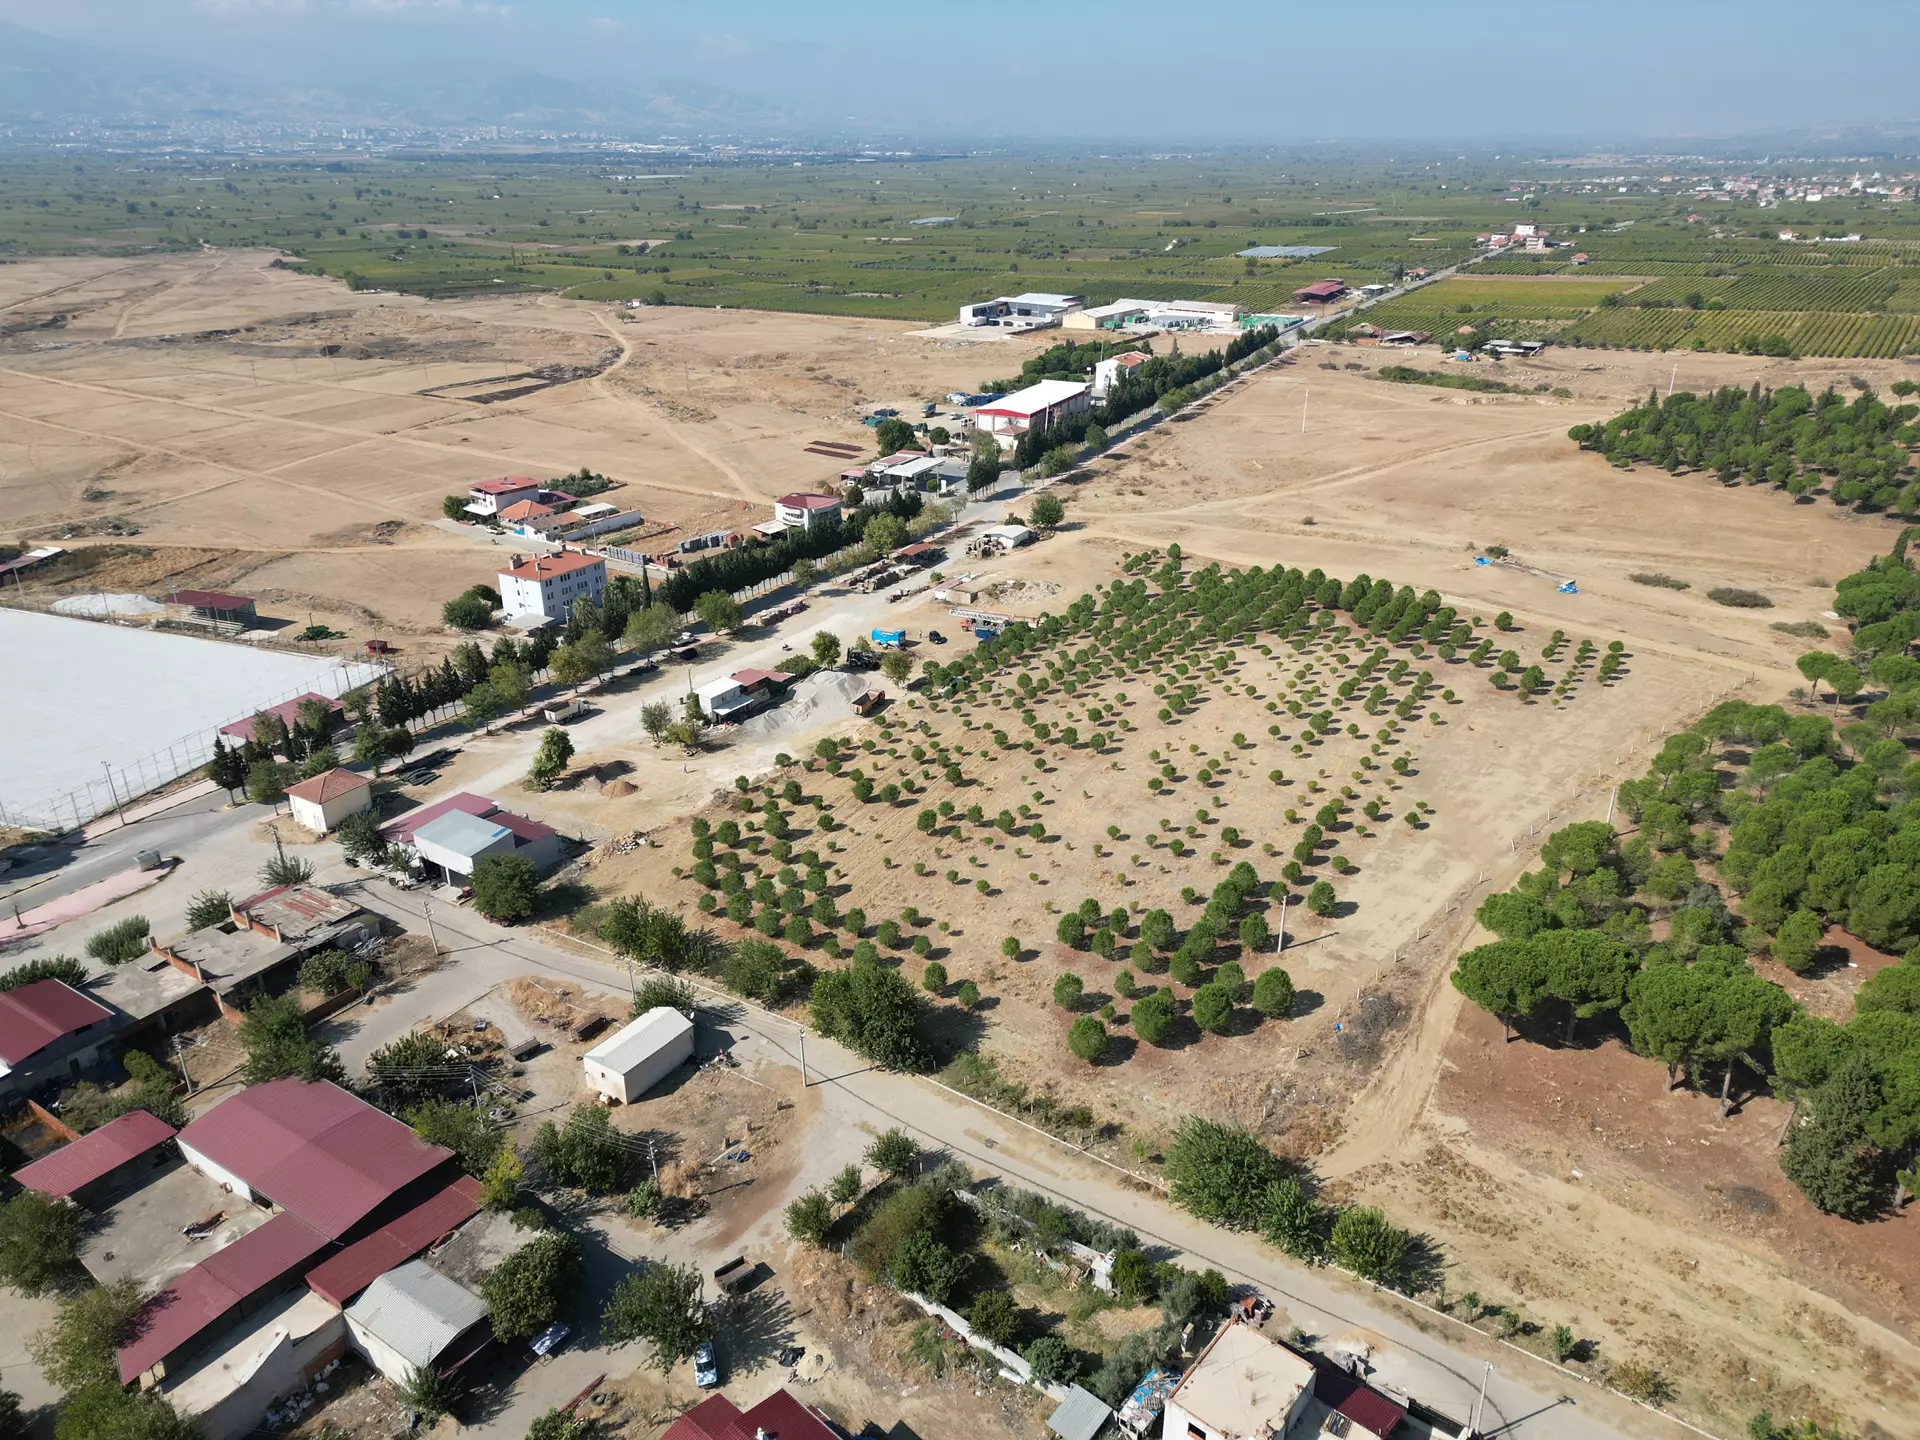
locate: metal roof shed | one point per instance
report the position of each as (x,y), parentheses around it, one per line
(410,1317)
(95,1156)
(640,1054)
(1080,1416)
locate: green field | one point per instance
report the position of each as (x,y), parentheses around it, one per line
(839,235)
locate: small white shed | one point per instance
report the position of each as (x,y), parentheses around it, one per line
(320,803)
(640,1054)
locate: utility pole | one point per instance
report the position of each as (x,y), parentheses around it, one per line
(1283,923)
(1485,1376)
(116,794)
(180,1055)
(803,1058)
(1303,409)
(426,913)
(1610,799)
(654,1162)
(1671,378)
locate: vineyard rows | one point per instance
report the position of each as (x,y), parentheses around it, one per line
(1806,290)
(1809,332)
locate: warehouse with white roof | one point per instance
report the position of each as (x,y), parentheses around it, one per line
(640,1054)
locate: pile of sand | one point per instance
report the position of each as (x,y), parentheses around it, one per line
(97,605)
(618,789)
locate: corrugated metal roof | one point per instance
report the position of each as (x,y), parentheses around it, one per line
(199,1298)
(404,829)
(287,710)
(313,1149)
(417,1311)
(343,1276)
(462,834)
(96,1153)
(1368,1409)
(1080,1416)
(33,1016)
(640,1038)
(780,1416)
(212,600)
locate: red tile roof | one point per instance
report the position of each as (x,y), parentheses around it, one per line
(800,500)
(526,510)
(313,1150)
(212,600)
(287,710)
(341,1277)
(548,567)
(1368,1409)
(780,1415)
(34,1016)
(401,830)
(329,785)
(506,486)
(745,678)
(96,1153)
(193,1303)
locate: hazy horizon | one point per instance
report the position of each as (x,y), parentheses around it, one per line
(1123,70)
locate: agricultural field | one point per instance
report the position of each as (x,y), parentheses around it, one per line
(912,238)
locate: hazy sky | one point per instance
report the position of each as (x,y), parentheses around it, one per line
(1266,71)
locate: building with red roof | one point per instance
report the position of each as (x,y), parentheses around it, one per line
(216,605)
(101,1159)
(778,1417)
(1321,292)
(287,710)
(455,832)
(46,1024)
(490,497)
(311,1149)
(549,584)
(802,510)
(322,801)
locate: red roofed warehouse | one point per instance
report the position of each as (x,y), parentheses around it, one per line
(216,605)
(101,1159)
(45,1027)
(287,710)
(549,584)
(454,833)
(1321,292)
(1037,407)
(311,1149)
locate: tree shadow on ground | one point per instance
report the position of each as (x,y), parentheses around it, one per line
(751,1330)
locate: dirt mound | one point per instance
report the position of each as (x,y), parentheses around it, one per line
(618,789)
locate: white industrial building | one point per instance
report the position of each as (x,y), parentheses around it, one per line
(640,1054)
(1106,373)
(549,584)
(1037,407)
(1022,312)
(724,699)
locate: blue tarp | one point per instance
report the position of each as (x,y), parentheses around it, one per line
(888,637)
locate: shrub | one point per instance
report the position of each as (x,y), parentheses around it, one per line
(994,1317)
(1213,1009)
(1219,1171)
(810,1218)
(1739,599)
(1153,1016)
(1365,1242)
(1087,1038)
(1067,990)
(1053,1362)
(526,1292)
(1664,582)
(121,941)
(1273,993)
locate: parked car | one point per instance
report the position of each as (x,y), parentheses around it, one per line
(706,1369)
(936,637)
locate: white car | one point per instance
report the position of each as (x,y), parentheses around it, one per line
(706,1370)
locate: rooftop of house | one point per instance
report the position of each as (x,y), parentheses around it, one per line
(803,500)
(526,510)
(461,833)
(297,912)
(551,567)
(313,1149)
(226,958)
(506,485)
(329,785)
(1243,1384)
(778,1417)
(402,830)
(34,1016)
(140,1235)
(144,987)
(342,1276)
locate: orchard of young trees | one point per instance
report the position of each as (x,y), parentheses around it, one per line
(1822,827)
(1861,450)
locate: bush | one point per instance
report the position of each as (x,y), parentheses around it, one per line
(121,941)
(1153,1016)
(1366,1243)
(39,1237)
(1219,1171)
(1133,1278)
(1052,1360)
(994,1317)
(1664,582)
(505,887)
(873,1011)
(895,1154)
(209,908)
(1087,1038)
(810,1218)
(63,968)
(1067,990)
(1273,993)
(933,979)
(1213,1009)
(1739,599)
(586,1152)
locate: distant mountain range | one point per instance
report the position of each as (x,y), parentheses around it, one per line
(51,81)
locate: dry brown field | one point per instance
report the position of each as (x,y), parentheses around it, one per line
(1566,1182)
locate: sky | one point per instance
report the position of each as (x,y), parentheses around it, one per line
(1230,71)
